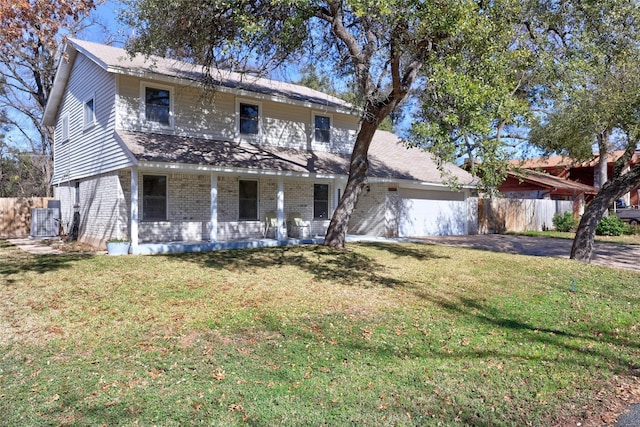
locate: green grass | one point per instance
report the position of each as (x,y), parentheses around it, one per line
(379,334)
(625,239)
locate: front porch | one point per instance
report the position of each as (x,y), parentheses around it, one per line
(203,246)
(193,246)
(224,210)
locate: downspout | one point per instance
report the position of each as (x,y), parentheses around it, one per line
(134,209)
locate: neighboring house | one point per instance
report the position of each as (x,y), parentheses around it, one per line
(143,151)
(530,184)
(584,173)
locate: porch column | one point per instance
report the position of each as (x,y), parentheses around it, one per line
(337,186)
(134,207)
(213,220)
(280,209)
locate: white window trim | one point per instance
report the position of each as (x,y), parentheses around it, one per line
(143,106)
(166,198)
(246,136)
(64,127)
(91,123)
(313,126)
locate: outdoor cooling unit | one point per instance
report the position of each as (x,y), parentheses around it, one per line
(45,221)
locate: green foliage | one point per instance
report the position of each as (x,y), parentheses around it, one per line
(611,225)
(564,222)
(474,95)
(20,172)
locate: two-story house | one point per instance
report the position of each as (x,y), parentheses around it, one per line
(144,151)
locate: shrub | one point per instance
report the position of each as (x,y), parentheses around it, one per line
(564,222)
(611,226)
(632,230)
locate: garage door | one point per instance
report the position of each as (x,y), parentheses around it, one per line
(431,213)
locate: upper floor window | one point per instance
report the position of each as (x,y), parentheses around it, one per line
(321,128)
(89,115)
(248,118)
(154,198)
(64,128)
(321,201)
(158,105)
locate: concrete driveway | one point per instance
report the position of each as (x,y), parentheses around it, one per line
(607,254)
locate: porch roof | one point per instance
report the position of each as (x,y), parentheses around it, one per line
(553,183)
(388,157)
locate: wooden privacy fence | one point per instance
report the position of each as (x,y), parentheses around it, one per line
(504,215)
(15,215)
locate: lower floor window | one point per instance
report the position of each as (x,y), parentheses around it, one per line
(154,198)
(248,197)
(321,201)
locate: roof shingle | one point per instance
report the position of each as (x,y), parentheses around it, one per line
(388,157)
(118,60)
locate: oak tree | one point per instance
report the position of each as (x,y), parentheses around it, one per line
(382,47)
(591,96)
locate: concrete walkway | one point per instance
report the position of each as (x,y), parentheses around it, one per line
(36,246)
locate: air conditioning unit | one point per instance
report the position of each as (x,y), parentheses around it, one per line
(45,222)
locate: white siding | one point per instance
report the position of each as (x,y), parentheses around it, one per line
(213,115)
(410,212)
(93,150)
(285,125)
(368,218)
(431,213)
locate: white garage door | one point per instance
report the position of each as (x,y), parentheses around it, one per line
(432,213)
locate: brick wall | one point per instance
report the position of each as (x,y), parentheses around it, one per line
(189,204)
(102,207)
(370,212)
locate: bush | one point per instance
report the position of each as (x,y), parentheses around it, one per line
(632,230)
(565,222)
(611,226)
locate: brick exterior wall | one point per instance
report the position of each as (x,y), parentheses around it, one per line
(105,206)
(102,206)
(189,202)
(369,216)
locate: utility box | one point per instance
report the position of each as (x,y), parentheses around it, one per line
(45,222)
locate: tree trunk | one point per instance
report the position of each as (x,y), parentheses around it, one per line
(603,164)
(359,164)
(582,248)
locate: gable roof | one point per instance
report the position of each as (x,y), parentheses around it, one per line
(388,157)
(553,183)
(119,61)
(567,162)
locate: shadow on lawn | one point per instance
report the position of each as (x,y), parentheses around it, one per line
(342,266)
(16,261)
(403,250)
(580,344)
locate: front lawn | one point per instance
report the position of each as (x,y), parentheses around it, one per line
(378,334)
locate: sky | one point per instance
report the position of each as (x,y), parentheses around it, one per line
(107,15)
(110,31)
